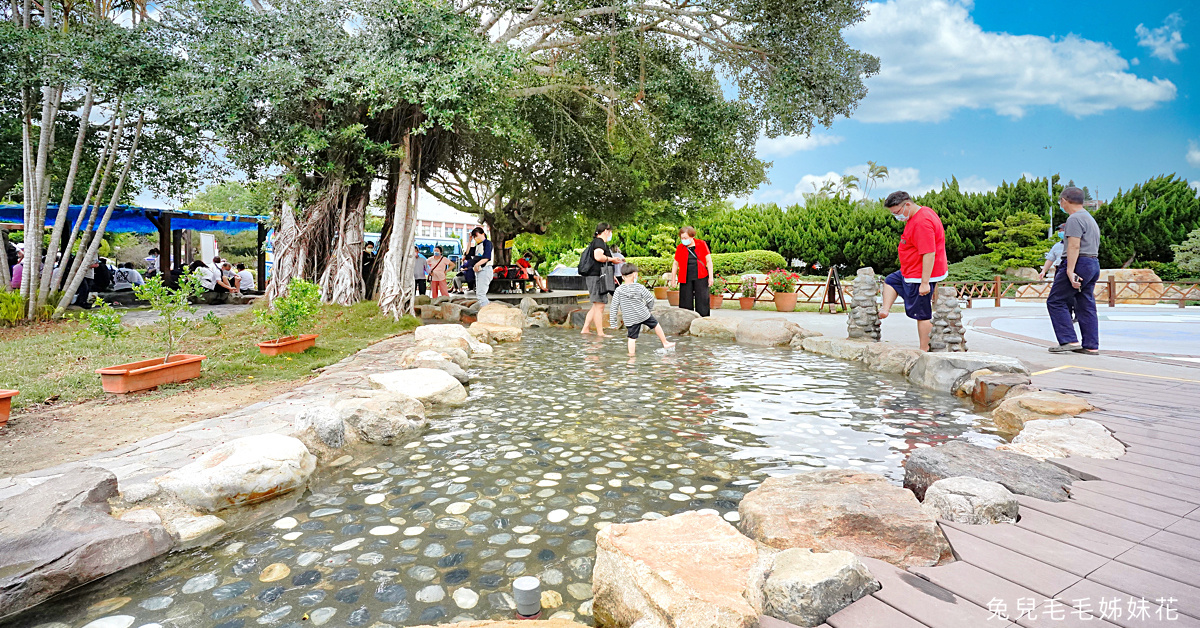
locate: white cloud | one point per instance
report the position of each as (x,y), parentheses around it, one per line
(975,183)
(936,60)
(1193,154)
(788,145)
(1165,41)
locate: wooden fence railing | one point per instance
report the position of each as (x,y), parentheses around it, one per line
(1110,292)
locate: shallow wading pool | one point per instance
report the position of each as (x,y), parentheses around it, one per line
(561,437)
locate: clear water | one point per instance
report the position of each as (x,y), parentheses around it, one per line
(561,437)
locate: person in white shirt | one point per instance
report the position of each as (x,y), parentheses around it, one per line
(126,277)
(208,280)
(245,279)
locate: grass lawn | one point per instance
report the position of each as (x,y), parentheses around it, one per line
(56,363)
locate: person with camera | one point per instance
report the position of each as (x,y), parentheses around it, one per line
(1074,288)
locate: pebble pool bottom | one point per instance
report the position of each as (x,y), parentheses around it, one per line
(561,437)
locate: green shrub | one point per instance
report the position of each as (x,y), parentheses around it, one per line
(1167,271)
(104,321)
(1017,240)
(974,268)
(747,262)
(293,313)
(1187,254)
(651,265)
(12,307)
(173,306)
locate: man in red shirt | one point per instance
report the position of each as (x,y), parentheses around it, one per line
(922,254)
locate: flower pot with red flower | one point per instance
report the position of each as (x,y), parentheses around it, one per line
(782,284)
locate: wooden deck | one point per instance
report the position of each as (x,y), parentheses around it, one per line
(1123,551)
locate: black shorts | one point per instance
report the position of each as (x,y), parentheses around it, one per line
(916,306)
(633,331)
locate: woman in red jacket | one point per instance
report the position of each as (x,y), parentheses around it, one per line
(692,270)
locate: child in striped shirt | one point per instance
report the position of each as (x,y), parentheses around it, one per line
(633,302)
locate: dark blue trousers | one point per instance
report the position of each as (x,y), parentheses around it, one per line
(1064,300)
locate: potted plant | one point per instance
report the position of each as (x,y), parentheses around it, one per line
(6,404)
(289,315)
(716,292)
(749,291)
(173,306)
(660,287)
(673,294)
(783,285)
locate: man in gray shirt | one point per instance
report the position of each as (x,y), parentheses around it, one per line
(1073,291)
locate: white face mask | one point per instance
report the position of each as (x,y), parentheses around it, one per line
(900,217)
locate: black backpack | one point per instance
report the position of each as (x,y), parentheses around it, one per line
(587,261)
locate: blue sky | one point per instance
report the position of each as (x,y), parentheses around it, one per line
(977,90)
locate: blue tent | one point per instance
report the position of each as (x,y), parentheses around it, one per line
(131,219)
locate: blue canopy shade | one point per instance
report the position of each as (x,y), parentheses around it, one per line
(131,219)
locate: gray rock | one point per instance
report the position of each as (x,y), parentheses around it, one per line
(452,312)
(445,365)
(765,332)
(382,417)
(559,312)
(60,534)
(428,311)
(192,528)
(537,319)
(430,386)
(806,588)
(722,327)
(675,321)
(944,372)
(971,501)
(321,426)
(422,299)
(888,358)
(529,306)
(139,491)
(841,348)
(991,388)
(1016,472)
(1063,438)
(242,471)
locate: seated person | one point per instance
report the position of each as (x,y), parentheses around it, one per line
(246,278)
(229,278)
(126,277)
(208,279)
(526,262)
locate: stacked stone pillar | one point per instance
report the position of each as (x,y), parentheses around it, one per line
(948,333)
(863,320)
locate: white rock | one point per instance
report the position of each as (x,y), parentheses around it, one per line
(383,417)
(465,598)
(142,515)
(971,501)
(767,332)
(1060,438)
(499,333)
(806,588)
(945,371)
(192,528)
(723,327)
(430,386)
(451,330)
(502,315)
(242,471)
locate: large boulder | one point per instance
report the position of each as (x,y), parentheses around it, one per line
(991,388)
(452,312)
(1014,412)
(502,315)
(841,348)
(320,428)
(1060,438)
(1144,285)
(579,315)
(971,501)
(429,386)
(451,330)
(841,509)
(765,332)
(508,623)
(675,321)
(60,534)
(1016,472)
(242,471)
(529,306)
(381,416)
(945,371)
(538,320)
(883,357)
(806,588)
(688,570)
(501,333)
(442,343)
(451,368)
(413,355)
(427,312)
(560,312)
(722,327)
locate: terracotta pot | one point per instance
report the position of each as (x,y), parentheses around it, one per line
(660,292)
(289,344)
(747,303)
(785,301)
(673,298)
(6,404)
(715,302)
(126,378)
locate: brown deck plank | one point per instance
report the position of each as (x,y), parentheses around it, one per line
(1035,546)
(771,622)
(867,612)
(1164,563)
(1090,518)
(1132,438)
(1094,591)
(1123,509)
(1182,480)
(979,586)
(1154,462)
(1165,428)
(1070,618)
(1161,454)
(1149,585)
(1087,469)
(1132,495)
(1030,573)
(926,602)
(1175,544)
(1070,532)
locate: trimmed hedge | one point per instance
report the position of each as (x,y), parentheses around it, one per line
(723,263)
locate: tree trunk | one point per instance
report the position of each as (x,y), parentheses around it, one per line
(389,219)
(396,282)
(342,281)
(64,205)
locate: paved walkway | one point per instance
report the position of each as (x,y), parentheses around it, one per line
(151,457)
